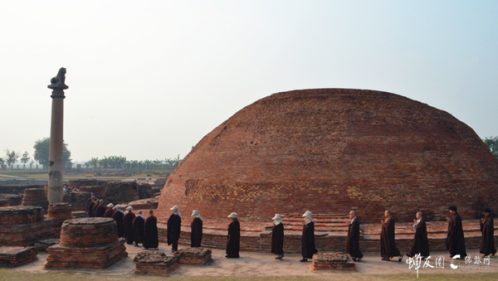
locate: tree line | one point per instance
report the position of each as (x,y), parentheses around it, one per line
(41,157)
(120,162)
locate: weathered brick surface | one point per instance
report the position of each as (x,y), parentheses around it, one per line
(77,200)
(155,262)
(193,256)
(329,150)
(144,204)
(86,243)
(16,256)
(10,199)
(337,261)
(35,197)
(59,211)
(24,225)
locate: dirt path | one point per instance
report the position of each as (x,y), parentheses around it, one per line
(262,264)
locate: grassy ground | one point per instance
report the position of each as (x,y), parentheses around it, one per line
(8,275)
(70,175)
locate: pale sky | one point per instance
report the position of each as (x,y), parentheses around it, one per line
(148,79)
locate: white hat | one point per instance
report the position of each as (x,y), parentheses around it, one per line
(307,214)
(196,214)
(277,217)
(129,208)
(110,205)
(233,215)
(174,209)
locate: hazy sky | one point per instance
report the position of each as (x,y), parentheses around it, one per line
(148,79)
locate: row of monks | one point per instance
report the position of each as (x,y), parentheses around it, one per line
(135,229)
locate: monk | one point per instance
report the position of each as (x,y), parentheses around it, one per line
(128,218)
(487,229)
(150,231)
(277,237)
(420,242)
(100,208)
(118,218)
(139,229)
(233,239)
(388,247)
(353,240)
(308,248)
(455,241)
(109,210)
(92,202)
(196,229)
(174,228)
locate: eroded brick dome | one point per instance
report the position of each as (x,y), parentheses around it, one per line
(329,150)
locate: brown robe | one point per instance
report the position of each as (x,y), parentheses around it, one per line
(388,247)
(109,212)
(488,240)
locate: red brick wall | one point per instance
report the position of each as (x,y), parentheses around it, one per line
(329,150)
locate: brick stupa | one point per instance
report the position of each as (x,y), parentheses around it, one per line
(86,243)
(329,150)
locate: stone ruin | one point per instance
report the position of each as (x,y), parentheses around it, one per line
(155,262)
(194,256)
(16,256)
(330,150)
(25,225)
(86,243)
(10,200)
(35,197)
(332,261)
(144,204)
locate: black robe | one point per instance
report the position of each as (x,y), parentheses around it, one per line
(233,239)
(129,234)
(455,242)
(174,229)
(277,239)
(118,217)
(308,248)
(353,241)
(150,233)
(196,232)
(109,212)
(139,230)
(488,240)
(100,210)
(91,208)
(420,241)
(387,240)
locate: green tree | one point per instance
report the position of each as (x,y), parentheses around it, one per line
(94,162)
(492,143)
(11,157)
(42,154)
(25,159)
(2,163)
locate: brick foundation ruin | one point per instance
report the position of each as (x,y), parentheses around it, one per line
(335,261)
(35,197)
(25,225)
(86,243)
(16,256)
(155,262)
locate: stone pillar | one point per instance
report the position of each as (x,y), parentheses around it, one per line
(56,159)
